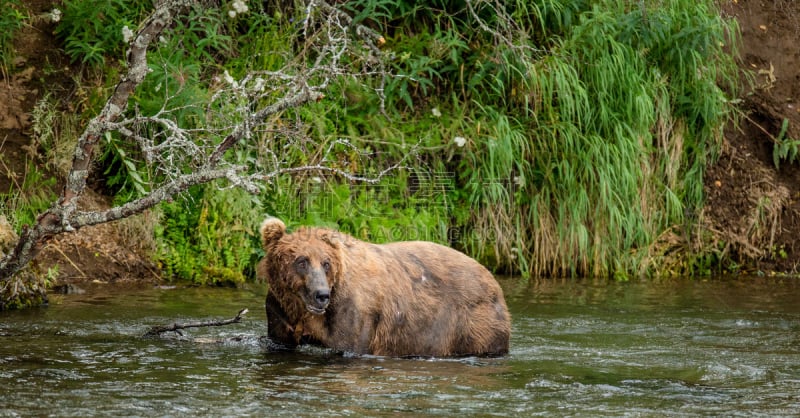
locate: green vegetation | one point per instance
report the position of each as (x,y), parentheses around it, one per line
(28,197)
(587,125)
(785,148)
(23,202)
(209,236)
(92,30)
(544,138)
(11,19)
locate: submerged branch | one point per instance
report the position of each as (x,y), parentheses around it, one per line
(176,327)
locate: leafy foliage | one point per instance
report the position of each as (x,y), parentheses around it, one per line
(587,126)
(11,19)
(785,148)
(92,30)
(544,137)
(209,237)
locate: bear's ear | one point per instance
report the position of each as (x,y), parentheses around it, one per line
(272,229)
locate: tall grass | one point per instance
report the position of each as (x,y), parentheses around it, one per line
(627,113)
(587,126)
(545,137)
(591,136)
(12,17)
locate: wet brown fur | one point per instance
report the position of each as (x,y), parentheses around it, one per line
(401,299)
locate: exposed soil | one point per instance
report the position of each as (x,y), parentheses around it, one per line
(103,253)
(752,207)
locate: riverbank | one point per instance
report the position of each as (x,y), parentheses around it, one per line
(748,224)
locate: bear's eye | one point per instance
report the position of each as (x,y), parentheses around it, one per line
(301,263)
(326,265)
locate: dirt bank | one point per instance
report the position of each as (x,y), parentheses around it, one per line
(754,207)
(105,252)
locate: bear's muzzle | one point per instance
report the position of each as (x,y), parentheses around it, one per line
(317,294)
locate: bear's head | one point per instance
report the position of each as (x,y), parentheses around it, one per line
(302,268)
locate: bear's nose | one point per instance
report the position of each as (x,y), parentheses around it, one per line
(322,297)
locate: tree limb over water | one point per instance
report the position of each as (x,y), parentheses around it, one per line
(240,110)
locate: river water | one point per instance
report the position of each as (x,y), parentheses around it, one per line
(579,348)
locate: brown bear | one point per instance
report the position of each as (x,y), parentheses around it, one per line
(400,299)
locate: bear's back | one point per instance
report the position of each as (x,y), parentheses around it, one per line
(435,301)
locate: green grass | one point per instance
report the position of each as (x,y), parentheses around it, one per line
(567,140)
(12,17)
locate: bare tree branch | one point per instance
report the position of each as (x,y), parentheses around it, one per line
(354,178)
(182,157)
(155,197)
(176,327)
(304,96)
(116,104)
(56,219)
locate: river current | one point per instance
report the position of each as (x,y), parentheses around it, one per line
(721,347)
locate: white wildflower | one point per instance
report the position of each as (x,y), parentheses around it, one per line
(127,34)
(240,6)
(436,112)
(460,141)
(55,15)
(231,13)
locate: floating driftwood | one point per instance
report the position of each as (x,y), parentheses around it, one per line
(176,327)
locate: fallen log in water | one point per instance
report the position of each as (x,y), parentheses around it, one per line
(176,327)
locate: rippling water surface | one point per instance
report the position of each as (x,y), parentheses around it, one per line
(579,347)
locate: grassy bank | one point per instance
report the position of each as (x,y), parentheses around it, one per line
(542,138)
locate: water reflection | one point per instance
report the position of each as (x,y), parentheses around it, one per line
(579,347)
(367,385)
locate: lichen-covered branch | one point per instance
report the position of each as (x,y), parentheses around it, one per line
(161,17)
(325,169)
(57,219)
(304,96)
(181,156)
(155,197)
